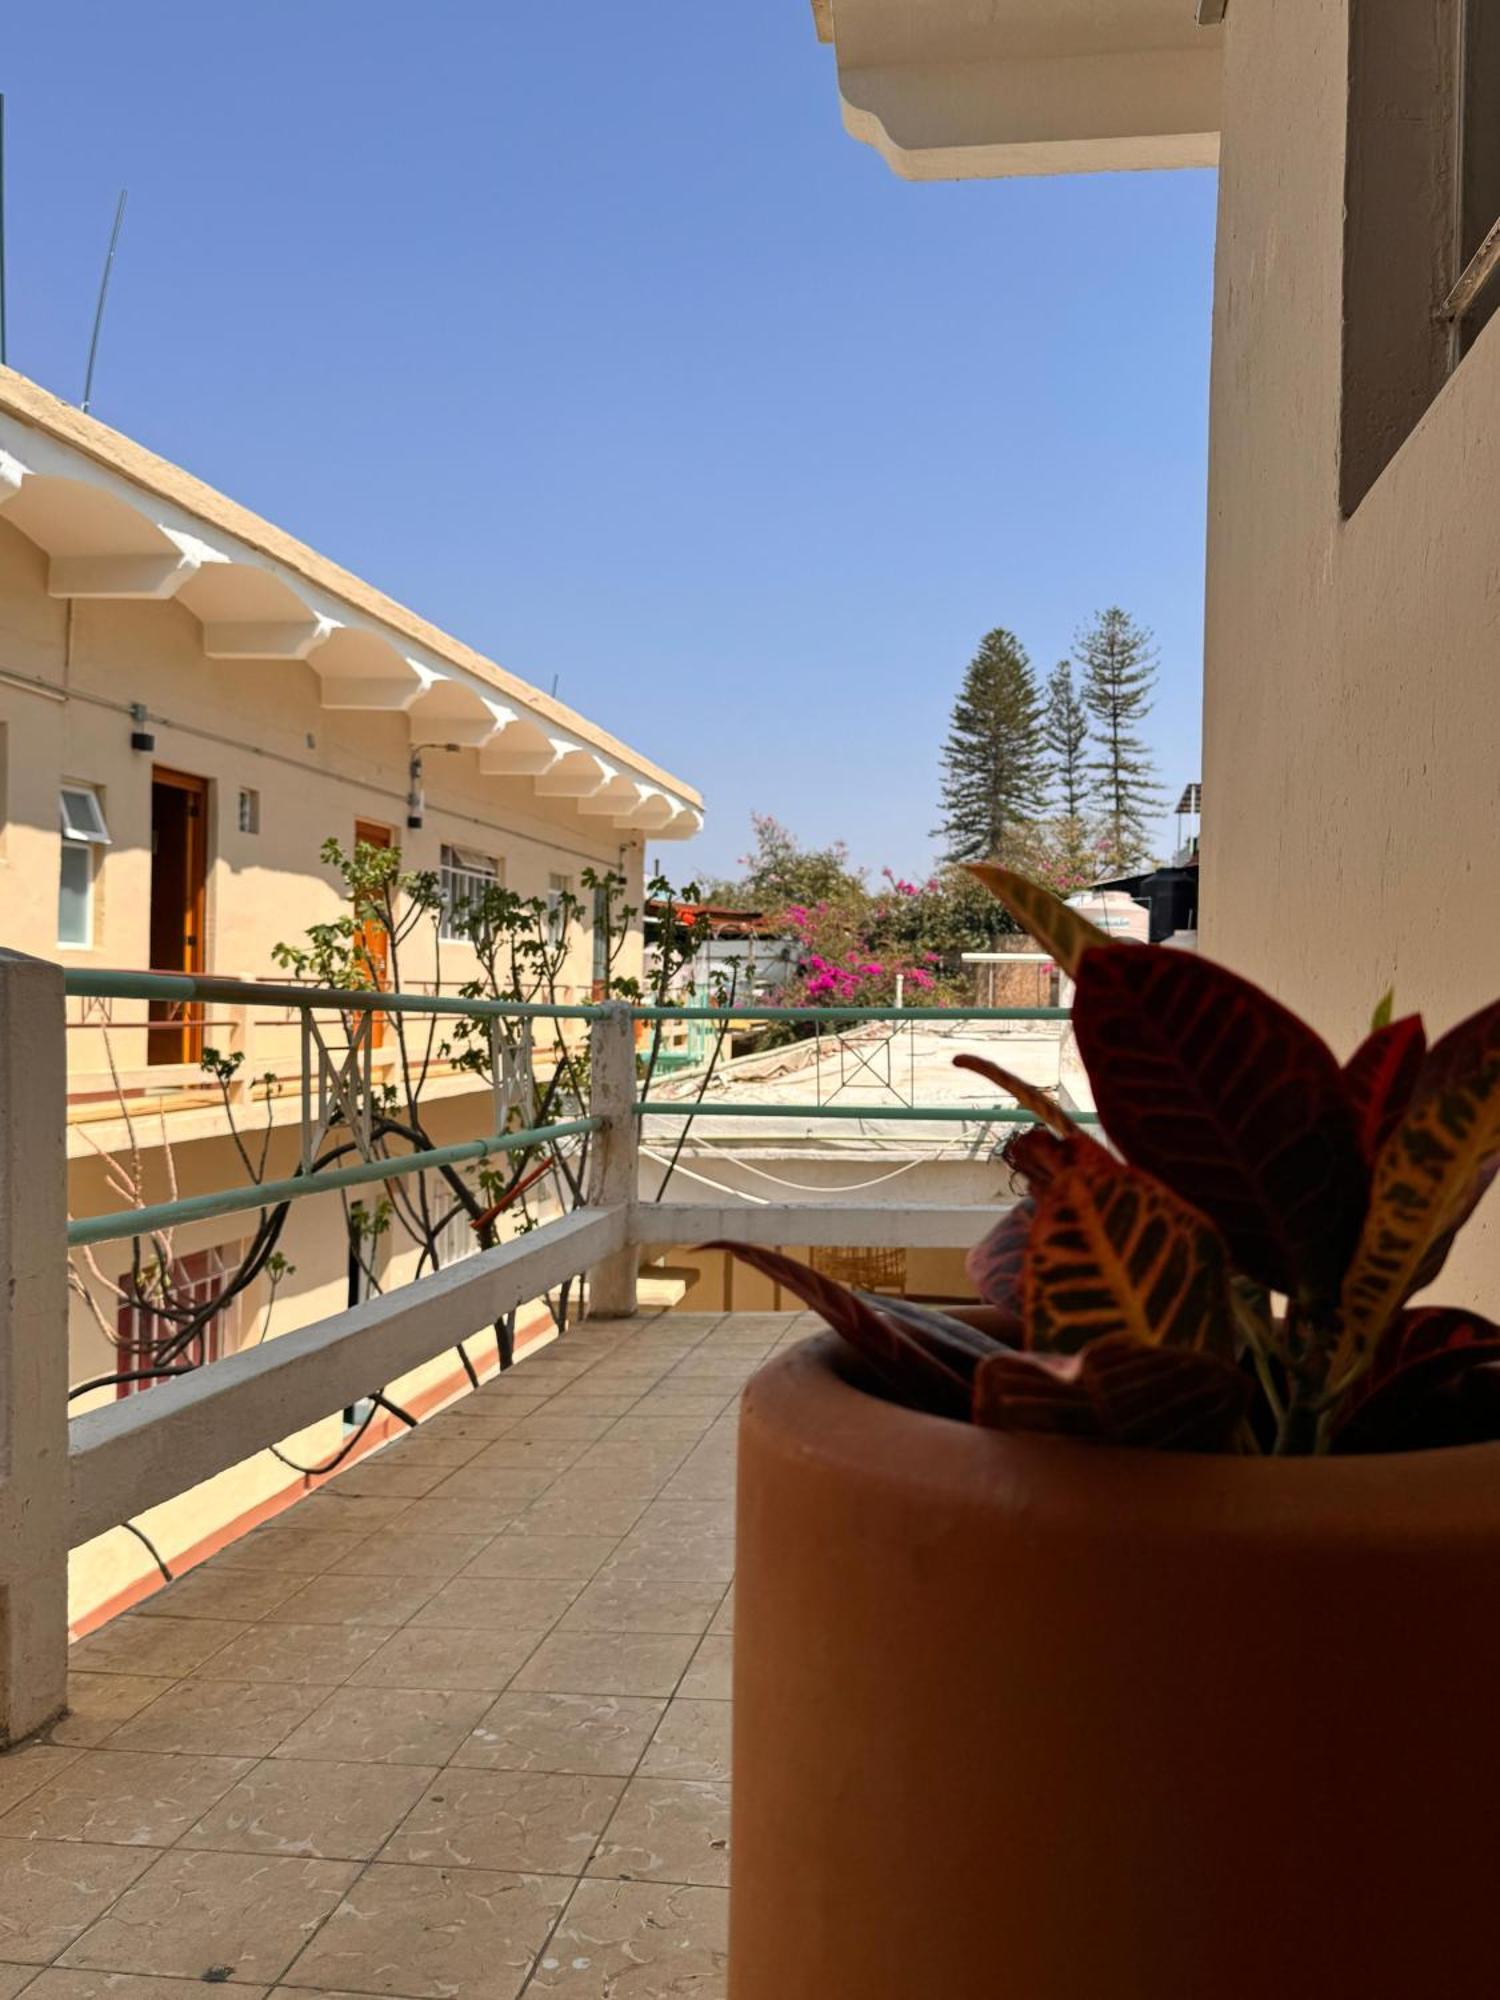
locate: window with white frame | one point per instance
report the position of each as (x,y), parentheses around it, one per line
(84,833)
(465,878)
(196,1281)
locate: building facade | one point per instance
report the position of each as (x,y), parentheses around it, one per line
(191,706)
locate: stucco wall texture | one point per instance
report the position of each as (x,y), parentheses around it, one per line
(1352,727)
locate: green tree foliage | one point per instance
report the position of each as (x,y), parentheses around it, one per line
(1065,739)
(781,872)
(1117,659)
(993,759)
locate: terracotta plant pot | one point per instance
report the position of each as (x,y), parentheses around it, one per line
(1031,1720)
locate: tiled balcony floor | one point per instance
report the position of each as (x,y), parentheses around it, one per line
(454,1728)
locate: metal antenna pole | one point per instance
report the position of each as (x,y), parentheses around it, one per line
(114,238)
(3,356)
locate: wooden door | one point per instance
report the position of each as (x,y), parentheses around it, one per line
(371,939)
(179,880)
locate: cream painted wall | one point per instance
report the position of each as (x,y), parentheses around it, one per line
(317,771)
(1352,726)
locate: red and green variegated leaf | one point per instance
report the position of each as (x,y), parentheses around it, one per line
(1419,1352)
(1427,1179)
(1166,1398)
(995,1264)
(1056,928)
(1035,1154)
(1113,1251)
(1044,1109)
(1226,1096)
(1116,1392)
(915,1371)
(963,1338)
(1380,1077)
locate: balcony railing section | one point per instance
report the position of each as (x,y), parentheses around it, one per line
(62,1482)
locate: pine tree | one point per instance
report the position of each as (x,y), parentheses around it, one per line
(1118,661)
(993,769)
(1065,736)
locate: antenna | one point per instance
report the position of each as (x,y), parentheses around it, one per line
(109,261)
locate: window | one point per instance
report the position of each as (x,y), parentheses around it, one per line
(83,831)
(249,810)
(601,940)
(197,1280)
(465,879)
(559,887)
(1421,216)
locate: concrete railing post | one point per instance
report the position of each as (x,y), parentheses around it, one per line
(33,1347)
(614,1158)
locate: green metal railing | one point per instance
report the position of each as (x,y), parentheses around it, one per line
(89,984)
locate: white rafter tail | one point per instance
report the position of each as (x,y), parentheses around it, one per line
(13,476)
(653,809)
(360,669)
(574,773)
(684,823)
(520,748)
(616,795)
(451,712)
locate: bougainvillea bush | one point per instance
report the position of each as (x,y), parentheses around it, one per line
(1232,1270)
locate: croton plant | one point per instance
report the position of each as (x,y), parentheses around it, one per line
(1232,1270)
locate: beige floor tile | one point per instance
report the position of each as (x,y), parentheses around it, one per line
(549,1516)
(60,1984)
(670,1520)
(692,1741)
(444,1656)
(450,1516)
(561,1426)
(540,1822)
(700,1482)
(248,1915)
(136,1645)
(370,1725)
(507,1488)
(685,1558)
(599,1735)
(587,1402)
(13,1978)
(432,1447)
(401,1552)
(529,1454)
(218,1718)
(338,1812)
(498,1603)
(474,1430)
(654,1430)
(667,1830)
(290,1654)
(433,1934)
(211,1592)
(617,1603)
(139,1798)
(677,1403)
(346,1514)
(387,1476)
(709,1678)
(290,1549)
(99,1703)
(50,1890)
(607,1663)
(353,1600)
(638,1941)
(26,1770)
(560,1558)
(723,1625)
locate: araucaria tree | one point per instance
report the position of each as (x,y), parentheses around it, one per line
(1065,739)
(993,763)
(1118,662)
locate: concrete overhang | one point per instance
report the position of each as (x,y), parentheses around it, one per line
(986,89)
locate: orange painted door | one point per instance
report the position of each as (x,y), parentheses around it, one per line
(371,939)
(179,881)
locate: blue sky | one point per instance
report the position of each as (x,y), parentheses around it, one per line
(589,333)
